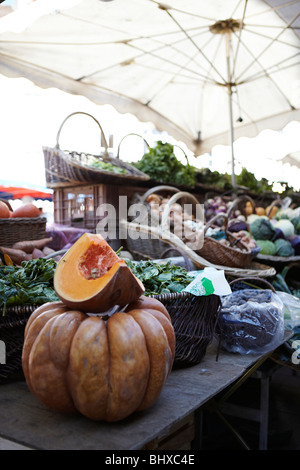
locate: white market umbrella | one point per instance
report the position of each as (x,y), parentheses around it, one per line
(205,72)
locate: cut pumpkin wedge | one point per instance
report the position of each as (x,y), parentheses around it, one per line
(92,278)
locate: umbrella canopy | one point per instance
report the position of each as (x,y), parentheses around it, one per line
(206,72)
(15,192)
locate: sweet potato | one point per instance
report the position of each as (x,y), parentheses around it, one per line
(37,253)
(29,245)
(48,251)
(17,256)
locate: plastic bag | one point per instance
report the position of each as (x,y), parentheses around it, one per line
(291,309)
(251,321)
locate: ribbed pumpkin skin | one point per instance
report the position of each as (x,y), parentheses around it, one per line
(105,370)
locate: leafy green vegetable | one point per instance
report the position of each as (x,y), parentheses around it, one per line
(262,229)
(28,284)
(266,247)
(160,278)
(246,178)
(107,166)
(283,248)
(296,223)
(161,164)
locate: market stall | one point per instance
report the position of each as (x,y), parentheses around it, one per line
(120,345)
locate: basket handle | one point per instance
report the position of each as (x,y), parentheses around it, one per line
(240,199)
(254,279)
(212,221)
(156,189)
(186,157)
(131,133)
(187,261)
(97,122)
(174,198)
(273,204)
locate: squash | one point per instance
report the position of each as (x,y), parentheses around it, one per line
(27,211)
(90,277)
(248,208)
(260,211)
(4,211)
(104,367)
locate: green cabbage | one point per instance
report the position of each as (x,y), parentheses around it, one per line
(287,213)
(296,223)
(283,248)
(266,247)
(253,217)
(262,229)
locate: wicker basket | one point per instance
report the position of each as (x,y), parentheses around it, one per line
(254,269)
(150,247)
(237,255)
(194,320)
(12,326)
(21,228)
(69,168)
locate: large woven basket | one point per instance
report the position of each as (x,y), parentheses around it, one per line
(21,228)
(147,246)
(68,168)
(194,320)
(254,269)
(237,254)
(12,326)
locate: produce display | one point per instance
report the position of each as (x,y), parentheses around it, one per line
(105,366)
(272,230)
(29,284)
(26,210)
(158,278)
(96,163)
(161,164)
(27,250)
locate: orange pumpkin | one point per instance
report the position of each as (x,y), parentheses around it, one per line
(103,367)
(26,210)
(90,277)
(4,211)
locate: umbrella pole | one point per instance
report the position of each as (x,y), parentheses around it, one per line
(229,86)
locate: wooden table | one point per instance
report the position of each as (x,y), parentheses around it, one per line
(26,422)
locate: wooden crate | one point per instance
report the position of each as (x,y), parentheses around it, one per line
(77,206)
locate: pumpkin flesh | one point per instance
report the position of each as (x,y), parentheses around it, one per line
(92,278)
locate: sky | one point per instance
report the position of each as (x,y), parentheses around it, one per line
(31,117)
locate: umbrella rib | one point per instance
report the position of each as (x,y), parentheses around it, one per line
(144,53)
(268,46)
(273,8)
(279,41)
(261,74)
(239,39)
(196,46)
(268,76)
(165,7)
